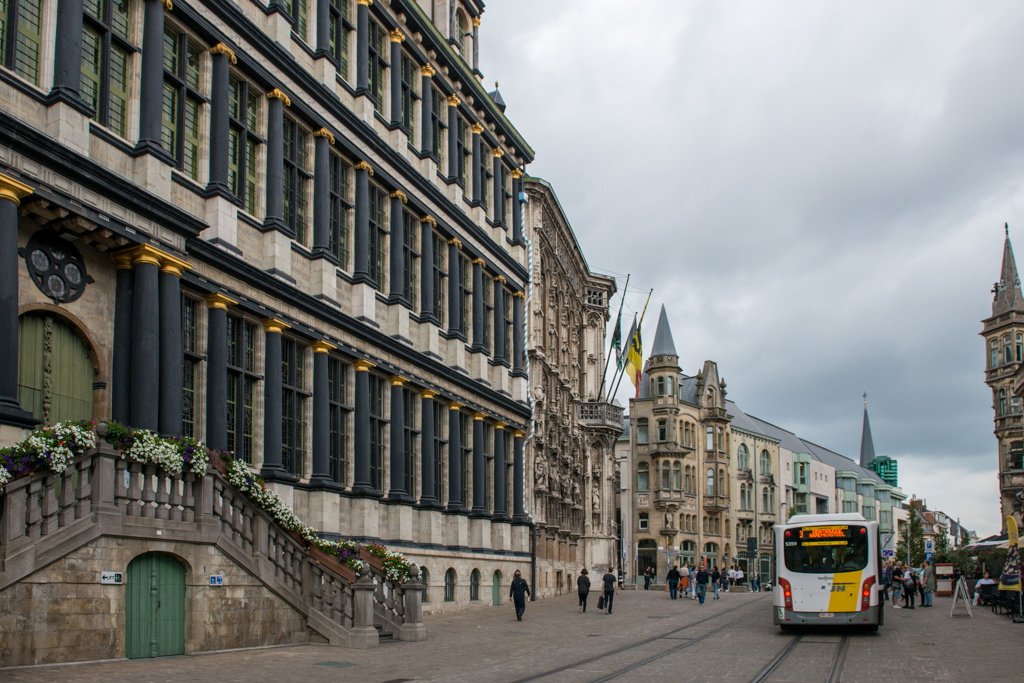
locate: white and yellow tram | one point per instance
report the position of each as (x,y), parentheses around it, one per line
(829,572)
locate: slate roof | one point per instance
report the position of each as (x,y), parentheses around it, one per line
(1008,295)
(663,342)
(867,446)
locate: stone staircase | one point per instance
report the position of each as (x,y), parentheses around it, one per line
(45,517)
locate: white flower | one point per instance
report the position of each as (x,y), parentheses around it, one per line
(5,476)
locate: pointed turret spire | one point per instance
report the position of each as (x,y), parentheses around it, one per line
(663,343)
(867,446)
(1007,291)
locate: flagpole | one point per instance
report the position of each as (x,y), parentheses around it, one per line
(622,372)
(631,341)
(618,321)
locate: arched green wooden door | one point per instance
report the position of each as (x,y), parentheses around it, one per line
(154,618)
(496,589)
(55,374)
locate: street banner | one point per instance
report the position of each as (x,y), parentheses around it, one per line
(1009,580)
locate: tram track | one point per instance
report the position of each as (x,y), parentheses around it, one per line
(632,646)
(835,671)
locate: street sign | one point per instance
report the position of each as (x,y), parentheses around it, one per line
(928,556)
(216,579)
(929,546)
(887,553)
(112,577)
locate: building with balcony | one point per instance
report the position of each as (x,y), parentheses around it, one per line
(1003,332)
(569,455)
(293,232)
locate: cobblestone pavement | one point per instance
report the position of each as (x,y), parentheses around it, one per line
(648,638)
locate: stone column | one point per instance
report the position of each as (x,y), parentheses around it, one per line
(478,306)
(427,108)
(396,76)
(361,241)
(363,635)
(427,269)
(453,131)
(519,474)
(499,471)
(479,466)
(454,300)
(500,352)
(517,332)
(273,463)
(172,352)
(321,443)
(361,434)
(427,454)
(517,207)
(121,367)
(397,243)
(476,43)
(478,165)
(217,370)
(67,56)
(323,29)
(362,46)
(397,491)
(455,502)
(221,57)
(277,101)
(151,85)
(499,187)
(322,141)
(412,628)
(145,392)
(11,194)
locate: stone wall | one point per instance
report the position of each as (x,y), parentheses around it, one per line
(63,614)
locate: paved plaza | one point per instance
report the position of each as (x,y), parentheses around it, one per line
(648,638)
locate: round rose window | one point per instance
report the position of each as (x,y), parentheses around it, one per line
(55,266)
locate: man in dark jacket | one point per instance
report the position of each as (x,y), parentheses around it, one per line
(673,581)
(583,588)
(517,594)
(609,589)
(702,583)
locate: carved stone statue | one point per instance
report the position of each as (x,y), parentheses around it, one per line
(541,474)
(668,520)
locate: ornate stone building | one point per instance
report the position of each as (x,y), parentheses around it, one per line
(570,469)
(1004,374)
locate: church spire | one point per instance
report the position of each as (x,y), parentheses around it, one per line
(663,343)
(867,446)
(1007,291)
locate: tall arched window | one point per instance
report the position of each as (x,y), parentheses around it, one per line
(764,500)
(743,496)
(643,477)
(721,483)
(1007,351)
(677,475)
(710,401)
(661,386)
(743,457)
(710,445)
(662,430)
(425,577)
(666,474)
(460,27)
(771,500)
(474,585)
(994,354)
(449,585)
(668,386)
(711,482)
(1002,401)
(766,463)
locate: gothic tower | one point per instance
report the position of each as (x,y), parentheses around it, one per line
(1004,373)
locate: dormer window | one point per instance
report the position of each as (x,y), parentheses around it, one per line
(710,401)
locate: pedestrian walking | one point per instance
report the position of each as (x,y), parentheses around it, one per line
(673,577)
(927,584)
(716,580)
(647,578)
(755,583)
(732,577)
(684,580)
(897,584)
(583,588)
(702,584)
(517,594)
(886,580)
(610,590)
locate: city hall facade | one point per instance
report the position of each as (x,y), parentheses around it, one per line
(291,231)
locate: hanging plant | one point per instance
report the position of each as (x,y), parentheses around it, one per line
(396,566)
(171,454)
(50,448)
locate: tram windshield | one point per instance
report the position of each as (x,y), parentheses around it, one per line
(826,549)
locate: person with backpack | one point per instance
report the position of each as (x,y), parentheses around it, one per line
(517,594)
(909,588)
(609,591)
(897,584)
(673,577)
(583,589)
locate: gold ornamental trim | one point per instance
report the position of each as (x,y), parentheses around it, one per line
(321,346)
(398,194)
(498,152)
(220,301)
(500,425)
(519,295)
(429,71)
(168,5)
(454,101)
(275,325)
(456,242)
(478,417)
(397,36)
(517,173)
(13,190)
(500,278)
(122,261)
(429,219)
(427,393)
(363,365)
(397,380)
(476,21)
(146,253)
(519,434)
(277,94)
(324,133)
(477,129)
(364,2)
(364,166)
(478,262)
(222,49)
(455,405)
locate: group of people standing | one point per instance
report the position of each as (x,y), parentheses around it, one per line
(907,583)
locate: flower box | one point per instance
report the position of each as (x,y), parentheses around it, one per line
(333,563)
(297,537)
(371,559)
(217,462)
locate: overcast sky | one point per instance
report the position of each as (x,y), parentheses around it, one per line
(816,191)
